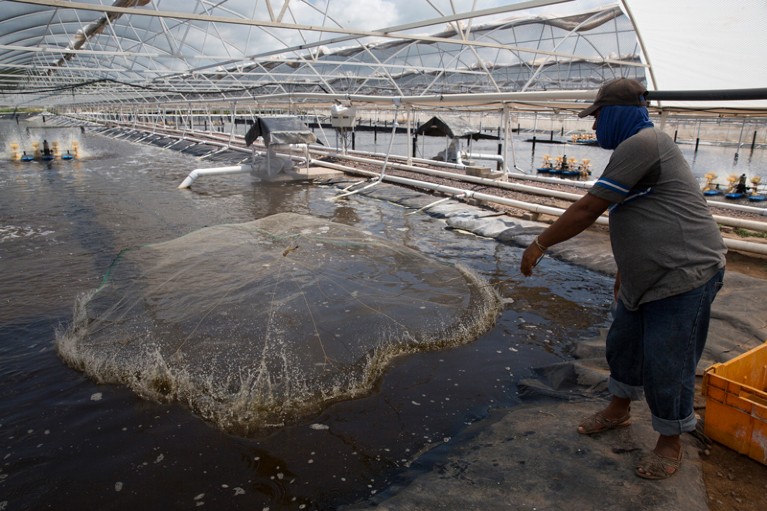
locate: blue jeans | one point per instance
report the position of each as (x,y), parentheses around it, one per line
(656,350)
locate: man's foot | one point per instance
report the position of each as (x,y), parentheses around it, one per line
(654,466)
(603,421)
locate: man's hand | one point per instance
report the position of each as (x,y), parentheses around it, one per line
(581,214)
(530,258)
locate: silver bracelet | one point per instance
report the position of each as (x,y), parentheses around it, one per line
(542,248)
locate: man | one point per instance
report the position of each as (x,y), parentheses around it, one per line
(670,258)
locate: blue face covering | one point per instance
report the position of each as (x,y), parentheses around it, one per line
(616,123)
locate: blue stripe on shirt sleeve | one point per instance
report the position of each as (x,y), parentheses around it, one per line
(612,185)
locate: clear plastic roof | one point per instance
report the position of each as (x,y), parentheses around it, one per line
(104,53)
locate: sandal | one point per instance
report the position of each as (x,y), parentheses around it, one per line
(655,466)
(598,423)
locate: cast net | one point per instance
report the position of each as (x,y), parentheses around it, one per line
(262,323)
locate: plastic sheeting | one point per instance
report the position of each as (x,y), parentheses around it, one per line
(440,126)
(261,323)
(461,55)
(279,131)
(450,126)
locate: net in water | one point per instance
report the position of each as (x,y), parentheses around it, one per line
(262,323)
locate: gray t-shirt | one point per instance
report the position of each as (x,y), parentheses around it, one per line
(663,236)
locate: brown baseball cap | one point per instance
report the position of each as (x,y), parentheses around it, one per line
(621,91)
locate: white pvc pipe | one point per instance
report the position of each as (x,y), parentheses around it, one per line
(739,207)
(541,179)
(753,225)
(451,190)
(743,246)
(434,163)
(729,221)
(493,157)
(478,180)
(385,162)
(216,171)
(746,246)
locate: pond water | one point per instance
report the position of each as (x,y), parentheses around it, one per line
(69,442)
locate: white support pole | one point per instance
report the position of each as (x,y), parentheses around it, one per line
(234,117)
(409,136)
(505,144)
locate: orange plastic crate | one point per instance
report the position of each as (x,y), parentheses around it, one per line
(736,403)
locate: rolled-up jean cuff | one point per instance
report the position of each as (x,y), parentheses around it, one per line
(624,391)
(671,428)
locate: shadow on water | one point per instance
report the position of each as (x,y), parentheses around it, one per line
(76,443)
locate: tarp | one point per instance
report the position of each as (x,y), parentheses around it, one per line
(279,130)
(453,127)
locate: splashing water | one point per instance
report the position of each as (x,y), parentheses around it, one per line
(258,324)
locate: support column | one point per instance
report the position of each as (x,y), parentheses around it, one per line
(233,117)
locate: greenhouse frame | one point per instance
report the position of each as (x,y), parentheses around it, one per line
(145,56)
